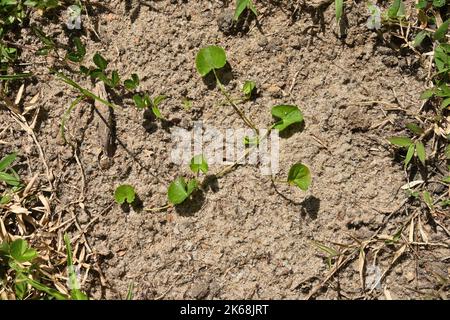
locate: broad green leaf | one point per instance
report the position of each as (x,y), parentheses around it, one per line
(288,114)
(300,175)
(420,149)
(7,161)
(248,88)
(339,6)
(179,191)
(409,154)
(124,193)
(446,179)
(20,251)
(210,58)
(100,62)
(198,163)
(401,141)
(440,33)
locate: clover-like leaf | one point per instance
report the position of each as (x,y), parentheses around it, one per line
(210,58)
(288,115)
(124,193)
(20,251)
(179,191)
(198,163)
(300,176)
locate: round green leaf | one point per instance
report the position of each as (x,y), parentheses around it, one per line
(124,192)
(209,58)
(300,175)
(179,191)
(288,115)
(198,163)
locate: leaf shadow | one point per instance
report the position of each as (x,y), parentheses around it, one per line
(224,74)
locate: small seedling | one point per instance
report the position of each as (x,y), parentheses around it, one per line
(124,193)
(248,89)
(300,176)
(179,190)
(132,83)
(241,5)
(413,147)
(198,163)
(17,261)
(100,71)
(144,101)
(288,115)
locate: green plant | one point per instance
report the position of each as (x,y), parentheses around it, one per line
(414,147)
(42,4)
(144,101)
(339,7)
(242,5)
(198,163)
(180,190)
(300,176)
(248,89)
(10,177)
(16,258)
(124,193)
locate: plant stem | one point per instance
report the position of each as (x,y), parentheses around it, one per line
(245,154)
(167,206)
(233,104)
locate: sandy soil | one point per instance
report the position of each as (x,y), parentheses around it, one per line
(246,239)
